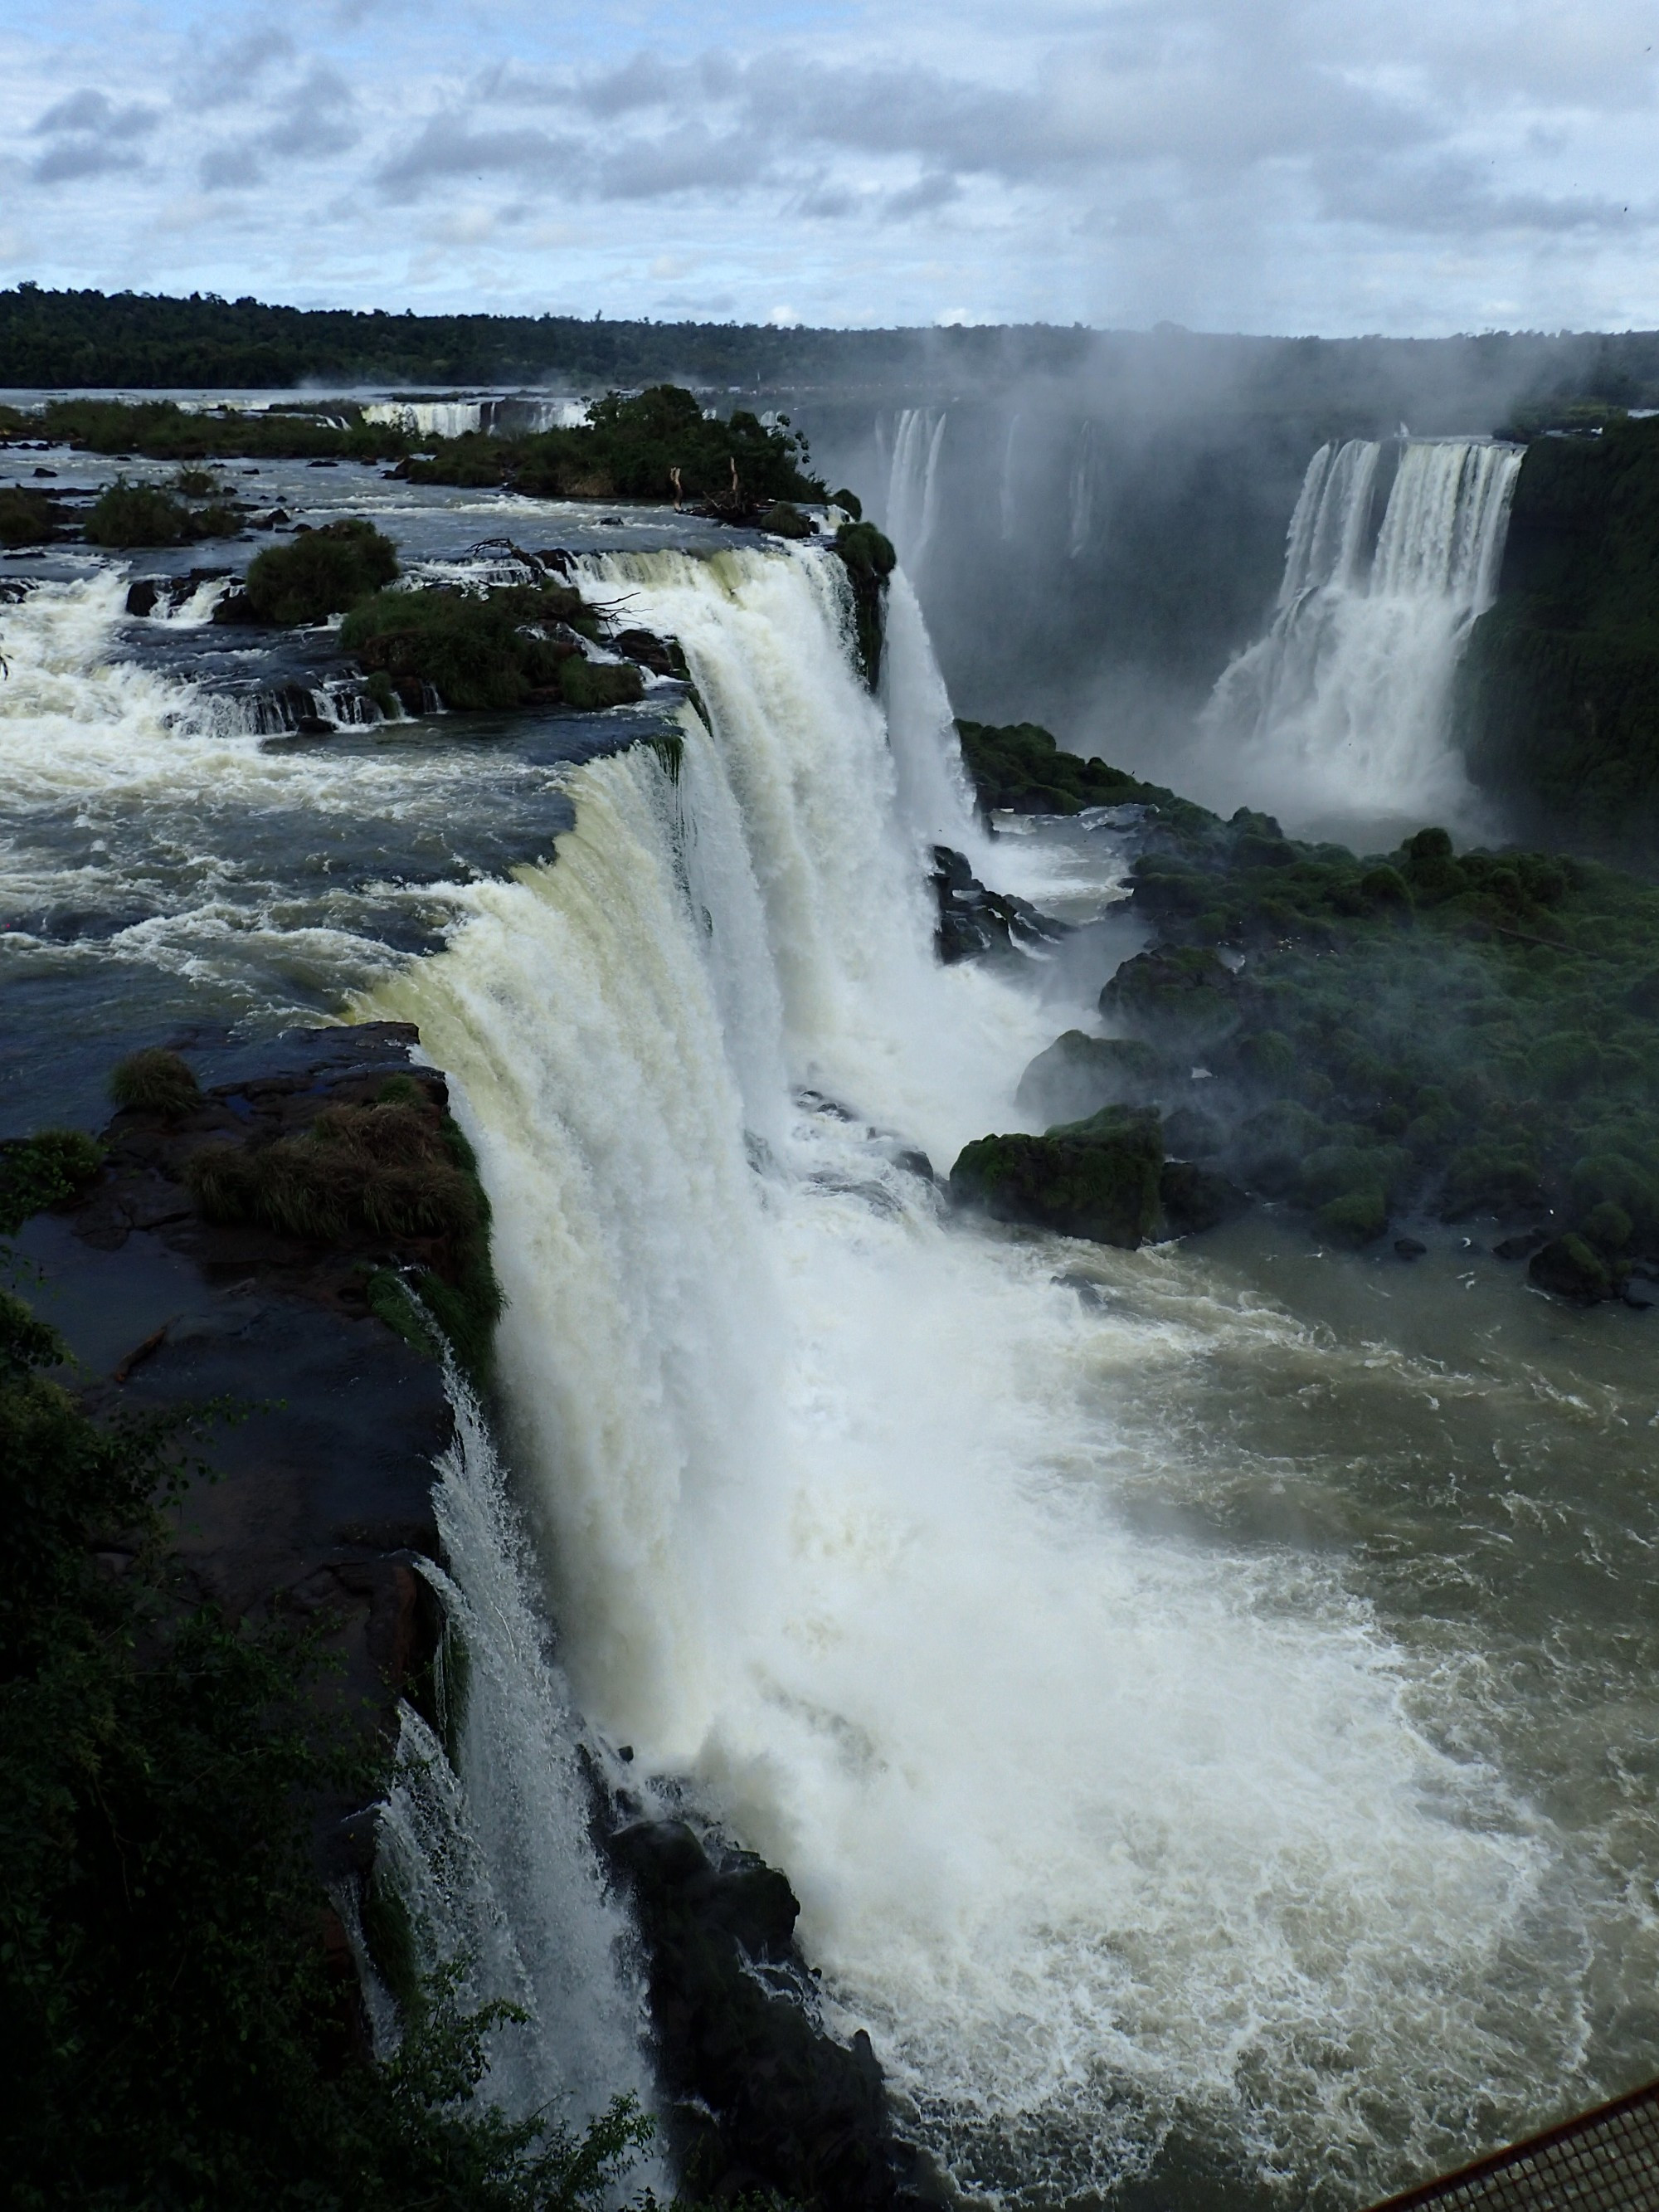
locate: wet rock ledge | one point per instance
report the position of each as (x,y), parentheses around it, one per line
(170,1291)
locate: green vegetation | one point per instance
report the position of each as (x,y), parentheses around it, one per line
(1561,685)
(870,560)
(488,649)
(26,518)
(136,514)
(400,1168)
(1019,767)
(155,1081)
(1469,1034)
(657,445)
(38,1171)
(125,514)
(1096,1178)
(161,431)
(318,573)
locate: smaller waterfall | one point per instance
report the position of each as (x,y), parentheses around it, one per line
(491,1855)
(429,418)
(1082,498)
(1343,708)
(912,508)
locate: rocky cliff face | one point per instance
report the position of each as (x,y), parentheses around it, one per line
(1559,708)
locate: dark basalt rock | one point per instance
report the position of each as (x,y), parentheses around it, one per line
(1409,1248)
(1195,1199)
(973,921)
(762,2099)
(146,594)
(661,655)
(1079,1074)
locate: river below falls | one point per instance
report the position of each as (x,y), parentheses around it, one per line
(1206,1698)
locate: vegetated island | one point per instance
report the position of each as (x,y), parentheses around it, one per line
(1468,1036)
(658,444)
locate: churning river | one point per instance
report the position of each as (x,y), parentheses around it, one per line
(1205,1697)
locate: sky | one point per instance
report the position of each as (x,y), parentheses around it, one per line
(1288,166)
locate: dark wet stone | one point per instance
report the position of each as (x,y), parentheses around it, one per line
(1409,1248)
(762,2098)
(1521,1247)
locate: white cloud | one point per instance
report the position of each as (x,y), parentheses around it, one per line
(1262,163)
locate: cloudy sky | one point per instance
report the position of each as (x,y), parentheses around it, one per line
(1334,166)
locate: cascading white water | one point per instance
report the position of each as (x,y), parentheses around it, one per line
(492,1856)
(912,507)
(1081,501)
(1343,708)
(428,418)
(1093,1825)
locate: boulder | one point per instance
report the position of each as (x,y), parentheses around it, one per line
(1195,1199)
(1079,1074)
(1098,1178)
(1569,1268)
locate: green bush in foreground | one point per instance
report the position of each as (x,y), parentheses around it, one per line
(25,518)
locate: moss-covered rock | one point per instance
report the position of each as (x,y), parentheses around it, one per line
(870,560)
(1570,1268)
(1079,1074)
(1098,1178)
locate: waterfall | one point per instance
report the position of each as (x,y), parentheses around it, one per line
(1093,1824)
(1082,493)
(912,508)
(429,418)
(491,1856)
(1343,708)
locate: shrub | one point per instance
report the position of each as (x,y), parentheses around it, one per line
(1357,1217)
(784,520)
(155,1081)
(321,572)
(136,514)
(38,1171)
(593,685)
(25,518)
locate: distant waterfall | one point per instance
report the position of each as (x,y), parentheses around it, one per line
(1343,707)
(912,460)
(1081,501)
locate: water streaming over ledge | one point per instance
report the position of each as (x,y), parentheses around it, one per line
(1108,1830)
(1343,708)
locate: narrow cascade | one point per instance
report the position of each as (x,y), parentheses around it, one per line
(1343,708)
(491,1855)
(1101,1829)
(912,509)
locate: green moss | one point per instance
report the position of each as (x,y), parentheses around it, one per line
(1358,1216)
(870,560)
(784,520)
(319,572)
(1019,767)
(399,1172)
(1098,1178)
(593,685)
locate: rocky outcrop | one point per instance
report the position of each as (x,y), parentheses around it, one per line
(973,921)
(762,2100)
(319,1504)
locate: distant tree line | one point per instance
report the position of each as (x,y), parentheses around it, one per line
(88,338)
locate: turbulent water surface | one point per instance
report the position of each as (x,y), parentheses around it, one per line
(1202,1696)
